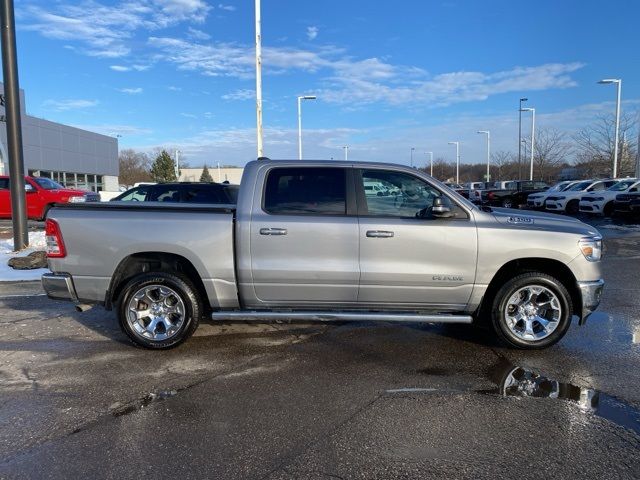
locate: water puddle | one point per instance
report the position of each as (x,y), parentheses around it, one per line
(514,381)
(119,411)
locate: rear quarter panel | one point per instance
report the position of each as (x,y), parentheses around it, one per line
(98,240)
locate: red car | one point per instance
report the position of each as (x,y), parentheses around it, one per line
(42,193)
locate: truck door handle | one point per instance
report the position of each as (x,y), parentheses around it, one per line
(273,231)
(379,234)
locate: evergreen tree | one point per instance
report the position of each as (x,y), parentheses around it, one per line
(206,176)
(163,168)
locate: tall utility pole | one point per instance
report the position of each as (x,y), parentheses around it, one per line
(520,137)
(431,155)
(305,97)
(412,150)
(177,165)
(346,152)
(259,81)
(638,152)
(14,127)
(457,144)
(618,82)
(533,137)
(488,151)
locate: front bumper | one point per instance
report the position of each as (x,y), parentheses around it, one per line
(59,286)
(590,293)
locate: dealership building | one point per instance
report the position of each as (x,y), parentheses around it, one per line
(71,156)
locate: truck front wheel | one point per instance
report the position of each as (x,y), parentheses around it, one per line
(531,311)
(159,310)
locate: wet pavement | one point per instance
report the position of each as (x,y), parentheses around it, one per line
(289,401)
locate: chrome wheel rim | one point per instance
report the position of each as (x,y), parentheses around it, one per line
(156,312)
(533,313)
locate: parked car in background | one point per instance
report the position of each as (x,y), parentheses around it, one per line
(627,204)
(502,185)
(41,194)
(513,197)
(537,200)
(181,192)
(603,202)
(568,201)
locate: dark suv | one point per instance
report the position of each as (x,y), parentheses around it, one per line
(181,192)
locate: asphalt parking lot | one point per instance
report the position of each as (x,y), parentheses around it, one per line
(352,400)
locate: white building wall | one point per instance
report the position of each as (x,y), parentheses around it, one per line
(231,174)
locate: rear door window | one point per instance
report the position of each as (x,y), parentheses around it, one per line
(306,191)
(162,193)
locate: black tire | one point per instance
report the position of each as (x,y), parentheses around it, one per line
(507,203)
(607,210)
(182,287)
(573,207)
(500,304)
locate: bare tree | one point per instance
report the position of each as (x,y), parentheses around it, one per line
(595,145)
(504,165)
(552,151)
(134,167)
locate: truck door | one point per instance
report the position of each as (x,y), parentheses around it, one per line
(408,257)
(304,238)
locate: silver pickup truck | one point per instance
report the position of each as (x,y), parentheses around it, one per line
(307,241)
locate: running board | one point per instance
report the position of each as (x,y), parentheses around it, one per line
(316,316)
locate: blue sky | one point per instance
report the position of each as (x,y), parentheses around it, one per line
(388,77)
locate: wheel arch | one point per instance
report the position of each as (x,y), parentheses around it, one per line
(549,266)
(143,262)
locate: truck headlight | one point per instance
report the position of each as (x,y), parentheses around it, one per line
(591,248)
(77,199)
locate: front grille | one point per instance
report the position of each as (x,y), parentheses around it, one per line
(587,199)
(586,208)
(92,197)
(552,198)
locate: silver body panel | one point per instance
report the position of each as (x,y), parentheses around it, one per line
(322,263)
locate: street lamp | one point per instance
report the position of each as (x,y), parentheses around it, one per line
(304,97)
(533,139)
(457,144)
(520,135)
(431,154)
(346,152)
(259,80)
(488,149)
(412,149)
(617,81)
(177,165)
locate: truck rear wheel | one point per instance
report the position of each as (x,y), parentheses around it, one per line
(531,311)
(159,310)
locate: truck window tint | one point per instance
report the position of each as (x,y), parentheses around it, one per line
(313,191)
(403,196)
(138,194)
(4,184)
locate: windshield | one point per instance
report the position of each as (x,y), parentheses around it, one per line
(621,186)
(47,184)
(579,186)
(558,187)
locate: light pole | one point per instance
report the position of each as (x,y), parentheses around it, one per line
(488,150)
(457,144)
(177,166)
(259,81)
(533,137)
(346,152)
(617,81)
(520,136)
(431,155)
(412,150)
(304,97)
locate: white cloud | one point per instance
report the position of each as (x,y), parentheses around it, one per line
(312,32)
(244,94)
(71,104)
(188,115)
(229,8)
(173,88)
(106,30)
(119,68)
(131,91)
(196,34)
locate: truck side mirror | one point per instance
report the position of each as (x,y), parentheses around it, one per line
(441,208)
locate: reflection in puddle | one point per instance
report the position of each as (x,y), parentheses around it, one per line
(515,381)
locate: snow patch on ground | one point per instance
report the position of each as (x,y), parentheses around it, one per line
(7,274)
